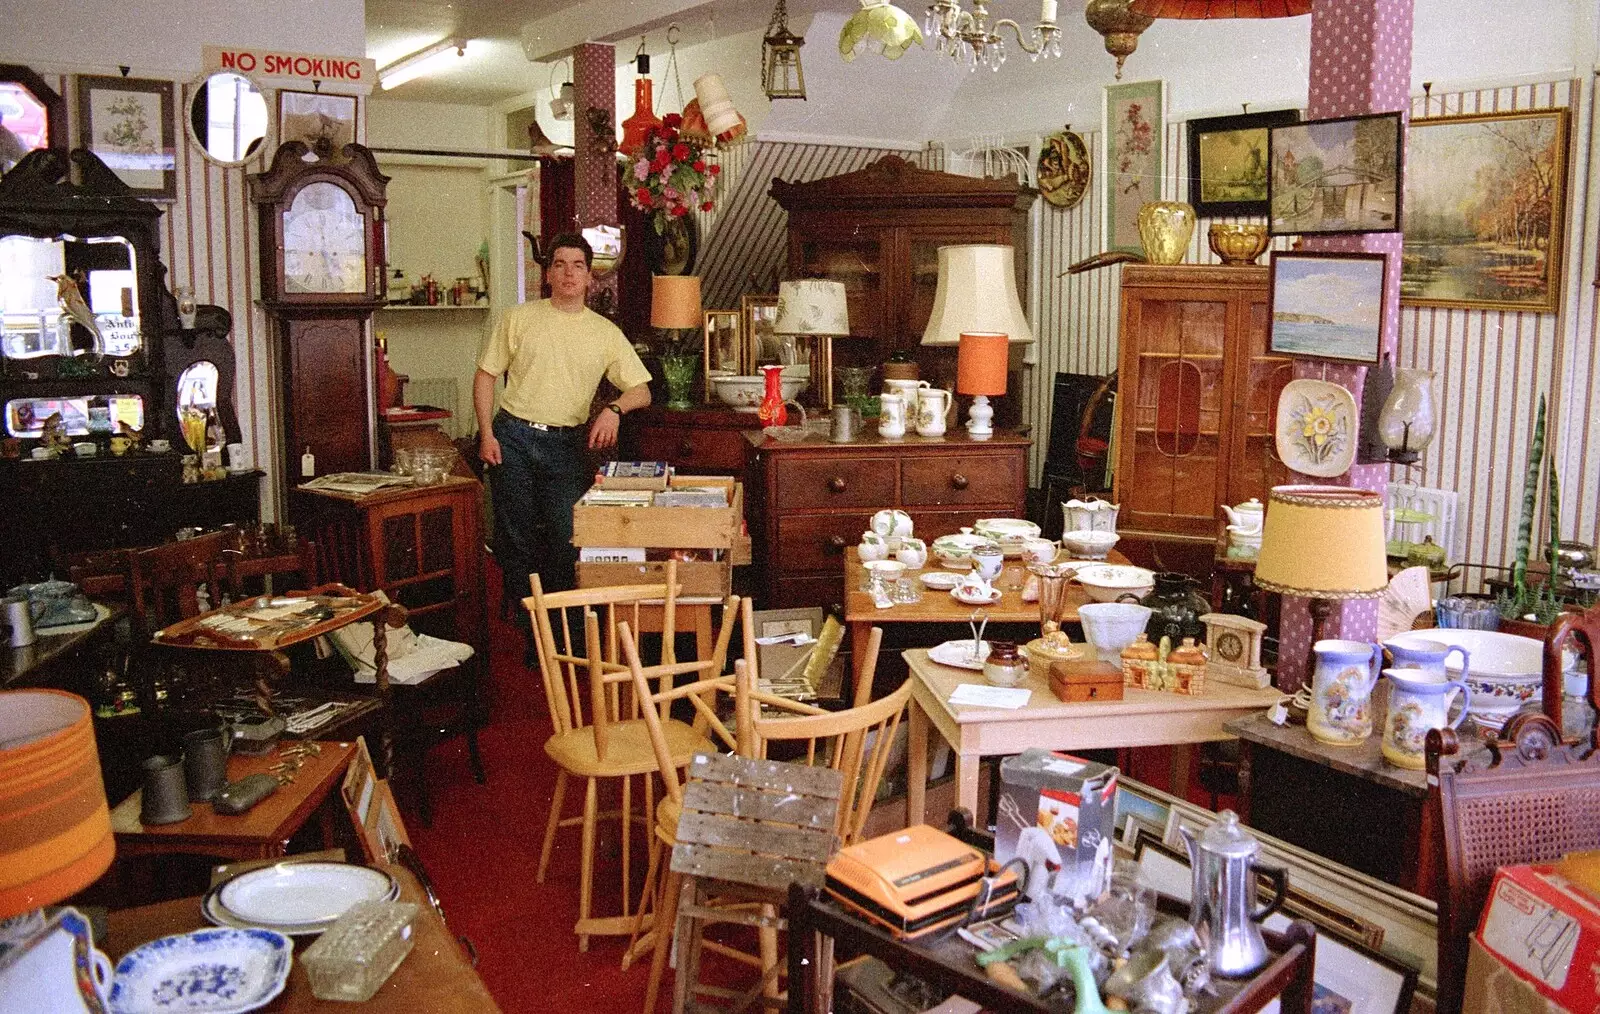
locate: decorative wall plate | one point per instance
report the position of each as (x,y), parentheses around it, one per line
(1316,433)
(1063,169)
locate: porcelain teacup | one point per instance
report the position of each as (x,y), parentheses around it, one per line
(1038,551)
(873,547)
(913,553)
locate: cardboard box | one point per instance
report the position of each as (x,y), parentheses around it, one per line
(1546,932)
(1492,988)
(667,527)
(698,579)
(1070,799)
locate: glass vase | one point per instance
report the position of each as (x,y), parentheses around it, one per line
(1164,229)
(680,370)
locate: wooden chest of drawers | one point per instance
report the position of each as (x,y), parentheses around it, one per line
(700,441)
(808,501)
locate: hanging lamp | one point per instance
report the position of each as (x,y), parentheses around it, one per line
(1119,24)
(782,77)
(1194,10)
(879,27)
(638,126)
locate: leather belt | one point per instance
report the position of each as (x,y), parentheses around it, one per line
(542,427)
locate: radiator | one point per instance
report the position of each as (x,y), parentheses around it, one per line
(1441,503)
(440,392)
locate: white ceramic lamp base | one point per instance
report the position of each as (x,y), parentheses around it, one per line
(980,418)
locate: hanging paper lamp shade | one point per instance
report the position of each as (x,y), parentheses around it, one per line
(636,127)
(693,127)
(1195,10)
(716,105)
(878,27)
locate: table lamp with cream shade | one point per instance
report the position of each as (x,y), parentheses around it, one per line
(1324,543)
(816,307)
(977,292)
(55,827)
(981,372)
(675,308)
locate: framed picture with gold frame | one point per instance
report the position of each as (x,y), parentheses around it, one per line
(724,351)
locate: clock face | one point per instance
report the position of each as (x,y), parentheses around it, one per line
(1230,646)
(324,242)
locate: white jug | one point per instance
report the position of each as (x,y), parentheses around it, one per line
(891,417)
(934,406)
(906,389)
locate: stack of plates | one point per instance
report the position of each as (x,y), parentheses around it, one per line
(295,898)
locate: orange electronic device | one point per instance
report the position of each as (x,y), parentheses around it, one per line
(918,880)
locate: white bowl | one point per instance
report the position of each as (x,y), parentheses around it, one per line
(1011,533)
(747,392)
(1111,626)
(1089,545)
(1505,671)
(955,551)
(1108,582)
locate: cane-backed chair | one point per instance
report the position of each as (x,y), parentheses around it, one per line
(1527,798)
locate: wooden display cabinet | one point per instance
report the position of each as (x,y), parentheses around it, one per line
(1199,394)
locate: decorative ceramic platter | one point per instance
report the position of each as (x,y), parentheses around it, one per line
(300,894)
(1063,169)
(1317,428)
(216,915)
(220,971)
(960,655)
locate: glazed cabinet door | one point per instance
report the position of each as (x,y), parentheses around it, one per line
(1256,378)
(860,258)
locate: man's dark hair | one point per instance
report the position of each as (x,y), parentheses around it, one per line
(576,242)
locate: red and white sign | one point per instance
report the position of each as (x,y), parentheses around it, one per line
(302,67)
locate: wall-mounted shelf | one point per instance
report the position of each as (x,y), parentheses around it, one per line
(441,306)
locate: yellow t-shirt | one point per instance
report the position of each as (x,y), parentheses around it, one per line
(553,361)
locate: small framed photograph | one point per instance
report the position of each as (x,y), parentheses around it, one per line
(1327,305)
(388,830)
(360,784)
(32,115)
(128,123)
(1335,176)
(723,355)
(321,121)
(1228,162)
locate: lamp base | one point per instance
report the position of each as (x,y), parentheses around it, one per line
(980,418)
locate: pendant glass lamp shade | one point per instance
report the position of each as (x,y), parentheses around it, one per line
(1195,10)
(675,301)
(55,829)
(1323,542)
(782,76)
(643,120)
(977,291)
(812,306)
(879,27)
(1406,423)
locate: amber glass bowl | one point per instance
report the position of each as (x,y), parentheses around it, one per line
(1238,242)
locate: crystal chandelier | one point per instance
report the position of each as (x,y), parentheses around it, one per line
(969,36)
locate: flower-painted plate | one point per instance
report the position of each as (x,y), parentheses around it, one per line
(223,970)
(1316,432)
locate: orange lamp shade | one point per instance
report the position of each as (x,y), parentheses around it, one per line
(675,301)
(981,363)
(55,829)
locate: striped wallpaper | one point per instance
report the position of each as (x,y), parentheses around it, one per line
(1489,366)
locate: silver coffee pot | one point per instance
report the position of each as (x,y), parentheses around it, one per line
(1223,903)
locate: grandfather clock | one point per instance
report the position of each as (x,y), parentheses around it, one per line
(321,241)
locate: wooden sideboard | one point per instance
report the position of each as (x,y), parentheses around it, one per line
(808,501)
(696,441)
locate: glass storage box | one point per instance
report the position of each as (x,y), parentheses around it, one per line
(360,950)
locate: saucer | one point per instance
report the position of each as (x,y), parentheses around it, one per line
(995,596)
(943,580)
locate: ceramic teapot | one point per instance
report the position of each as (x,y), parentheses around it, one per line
(1341,691)
(1222,863)
(973,589)
(1091,515)
(1418,702)
(1175,608)
(1246,518)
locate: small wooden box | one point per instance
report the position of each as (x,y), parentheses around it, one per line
(607,525)
(1076,681)
(697,579)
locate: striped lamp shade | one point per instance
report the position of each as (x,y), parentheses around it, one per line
(1195,10)
(55,830)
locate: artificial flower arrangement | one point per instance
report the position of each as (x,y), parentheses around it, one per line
(670,176)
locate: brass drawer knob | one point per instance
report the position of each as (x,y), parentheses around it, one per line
(685,448)
(960,481)
(836,543)
(836,484)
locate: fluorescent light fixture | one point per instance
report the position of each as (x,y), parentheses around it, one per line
(422,62)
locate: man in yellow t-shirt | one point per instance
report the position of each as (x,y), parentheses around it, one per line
(552,353)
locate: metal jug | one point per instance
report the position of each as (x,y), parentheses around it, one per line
(1223,903)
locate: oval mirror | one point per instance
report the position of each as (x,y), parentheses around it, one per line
(228,117)
(197,398)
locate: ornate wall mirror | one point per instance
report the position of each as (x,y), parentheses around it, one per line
(32,115)
(67,297)
(228,118)
(196,400)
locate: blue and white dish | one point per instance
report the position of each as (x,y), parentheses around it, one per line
(218,971)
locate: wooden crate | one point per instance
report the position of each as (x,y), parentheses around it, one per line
(667,527)
(698,579)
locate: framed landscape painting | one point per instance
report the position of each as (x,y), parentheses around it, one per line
(1485,208)
(1335,176)
(1228,162)
(1134,123)
(1327,305)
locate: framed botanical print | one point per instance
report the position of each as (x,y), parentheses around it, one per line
(1327,305)
(723,355)
(1335,176)
(1485,199)
(32,115)
(128,123)
(322,121)
(1228,162)
(1132,160)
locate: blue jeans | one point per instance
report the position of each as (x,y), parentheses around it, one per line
(541,475)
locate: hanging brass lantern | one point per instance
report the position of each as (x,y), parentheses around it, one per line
(782,77)
(1115,20)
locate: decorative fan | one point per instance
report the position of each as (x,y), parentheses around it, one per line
(1407,597)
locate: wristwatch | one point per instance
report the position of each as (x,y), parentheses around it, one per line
(615,408)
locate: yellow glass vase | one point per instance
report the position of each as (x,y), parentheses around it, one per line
(1165,228)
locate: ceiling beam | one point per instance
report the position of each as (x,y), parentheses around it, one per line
(550,37)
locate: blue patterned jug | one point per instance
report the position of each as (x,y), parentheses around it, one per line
(1341,691)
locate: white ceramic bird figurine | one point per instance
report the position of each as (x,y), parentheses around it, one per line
(71,300)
